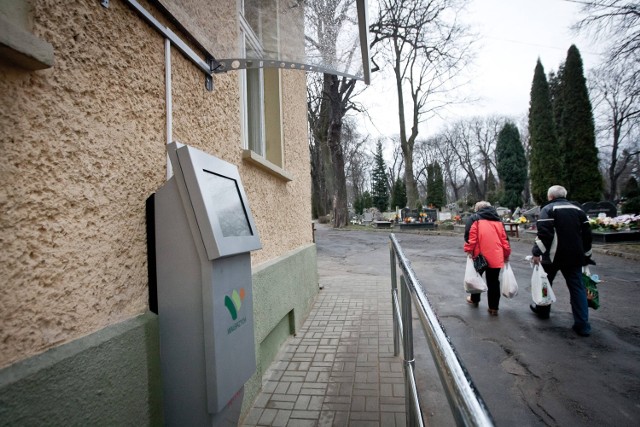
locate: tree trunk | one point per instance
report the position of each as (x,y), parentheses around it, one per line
(406,143)
(410,182)
(613,177)
(320,204)
(334,134)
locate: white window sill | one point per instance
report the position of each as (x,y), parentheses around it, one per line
(262,163)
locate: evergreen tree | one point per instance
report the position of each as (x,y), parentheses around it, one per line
(357,205)
(362,202)
(631,188)
(379,181)
(367,200)
(546,167)
(435,186)
(399,195)
(493,193)
(556,89)
(584,181)
(511,165)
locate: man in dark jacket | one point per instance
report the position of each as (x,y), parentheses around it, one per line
(564,244)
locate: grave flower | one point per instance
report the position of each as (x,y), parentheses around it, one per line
(619,223)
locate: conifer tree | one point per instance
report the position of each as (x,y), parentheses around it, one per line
(435,186)
(399,195)
(367,200)
(493,193)
(556,90)
(379,181)
(511,165)
(631,188)
(362,202)
(546,166)
(583,180)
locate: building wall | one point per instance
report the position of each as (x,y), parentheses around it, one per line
(107,378)
(283,290)
(83,147)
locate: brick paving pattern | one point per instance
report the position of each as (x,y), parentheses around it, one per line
(339,370)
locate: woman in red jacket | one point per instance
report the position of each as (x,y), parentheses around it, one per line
(485,234)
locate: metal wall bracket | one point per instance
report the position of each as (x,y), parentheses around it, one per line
(206,66)
(208,78)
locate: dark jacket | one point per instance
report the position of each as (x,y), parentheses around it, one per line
(564,235)
(488,213)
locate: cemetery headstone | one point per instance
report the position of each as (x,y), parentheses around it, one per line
(593,209)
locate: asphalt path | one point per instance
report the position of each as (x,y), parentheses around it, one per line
(530,372)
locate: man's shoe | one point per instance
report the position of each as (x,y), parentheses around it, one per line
(581,332)
(538,313)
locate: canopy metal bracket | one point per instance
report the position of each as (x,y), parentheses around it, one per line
(207,66)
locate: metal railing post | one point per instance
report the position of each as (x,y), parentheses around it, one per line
(407,350)
(466,404)
(394,298)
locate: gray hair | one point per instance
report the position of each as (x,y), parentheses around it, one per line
(481,204)
(556,191)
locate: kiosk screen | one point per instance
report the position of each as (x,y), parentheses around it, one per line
(227,204)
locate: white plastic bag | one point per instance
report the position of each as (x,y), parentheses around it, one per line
(541,290)
(473,283)
(509,286)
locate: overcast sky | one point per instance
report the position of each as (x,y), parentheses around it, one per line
(513,34)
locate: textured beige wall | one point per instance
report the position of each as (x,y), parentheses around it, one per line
(83,147)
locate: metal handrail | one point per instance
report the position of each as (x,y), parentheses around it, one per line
(465,401)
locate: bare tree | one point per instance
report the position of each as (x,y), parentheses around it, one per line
(426,48)
(396,167)
(321,166)
(616,22)
(617,106)
(358,161)
(445,154)
(328,17)
(457,137)
(471,142)
(425,154)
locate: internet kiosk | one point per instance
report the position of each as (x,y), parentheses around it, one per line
(204,232)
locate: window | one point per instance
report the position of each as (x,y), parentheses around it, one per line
(261,93)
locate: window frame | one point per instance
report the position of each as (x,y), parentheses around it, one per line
(261,111)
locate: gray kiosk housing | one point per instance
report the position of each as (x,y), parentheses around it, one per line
(204,234)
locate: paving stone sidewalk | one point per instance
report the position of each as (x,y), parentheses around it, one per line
(339,370)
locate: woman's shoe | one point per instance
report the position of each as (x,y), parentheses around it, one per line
(470,301)
(492,312)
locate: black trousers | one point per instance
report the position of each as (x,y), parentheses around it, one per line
(493,283)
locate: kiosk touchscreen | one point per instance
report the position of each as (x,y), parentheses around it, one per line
(204,232)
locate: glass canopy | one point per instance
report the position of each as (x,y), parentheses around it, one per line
(328,36)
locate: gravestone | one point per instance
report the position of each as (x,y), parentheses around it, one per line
(405,212)
(444,216)
(593,209)
(532,214)
(367,218)
(432,215)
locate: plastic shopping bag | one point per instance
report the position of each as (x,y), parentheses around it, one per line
(591,283)
(541,290)
(509,286)
(473,283)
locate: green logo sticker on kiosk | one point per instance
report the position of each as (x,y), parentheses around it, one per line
(234,302)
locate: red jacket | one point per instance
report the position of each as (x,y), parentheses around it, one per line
(491,241)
